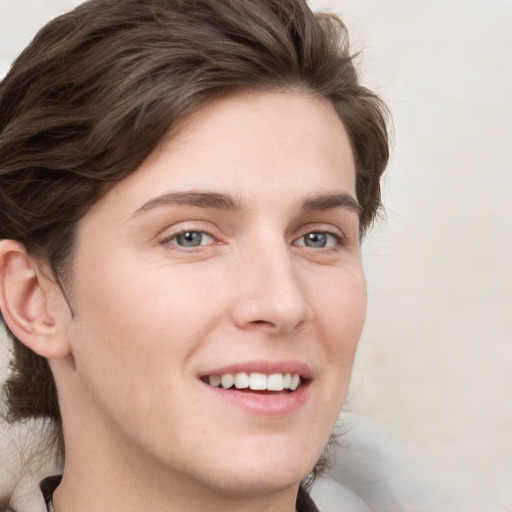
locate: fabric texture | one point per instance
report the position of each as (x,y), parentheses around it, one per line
(48,486)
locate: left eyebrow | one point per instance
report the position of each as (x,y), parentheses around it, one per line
(330,201)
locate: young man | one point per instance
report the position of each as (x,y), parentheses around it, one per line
(183,190)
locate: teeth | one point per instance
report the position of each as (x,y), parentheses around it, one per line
(215,380)
(241,380)
(256,381)
(275,382)
(295,382)
(227,380)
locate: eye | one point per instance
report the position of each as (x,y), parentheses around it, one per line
(320,240)
(189,239)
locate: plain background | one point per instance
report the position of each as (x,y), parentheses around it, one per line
(435,363)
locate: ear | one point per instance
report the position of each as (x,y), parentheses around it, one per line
(24,299)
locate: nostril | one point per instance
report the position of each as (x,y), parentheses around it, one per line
(259,324)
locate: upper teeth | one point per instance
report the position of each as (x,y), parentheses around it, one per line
(256,381)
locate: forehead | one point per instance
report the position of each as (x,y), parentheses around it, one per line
(249,145)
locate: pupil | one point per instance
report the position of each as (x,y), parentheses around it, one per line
(190,239)
(316,239)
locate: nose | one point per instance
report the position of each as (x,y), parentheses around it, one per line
(270,294)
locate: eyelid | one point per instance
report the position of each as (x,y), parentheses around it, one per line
(321,227)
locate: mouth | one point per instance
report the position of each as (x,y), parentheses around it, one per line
(261,388)
(256,382)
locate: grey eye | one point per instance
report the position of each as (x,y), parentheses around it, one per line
(315,240)
(191,239)
(318,240)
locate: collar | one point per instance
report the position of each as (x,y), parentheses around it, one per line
(48,486)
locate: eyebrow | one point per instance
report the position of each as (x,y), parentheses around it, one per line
(331,200)
(226,202)
(215,200)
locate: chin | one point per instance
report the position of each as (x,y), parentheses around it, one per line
(260,474)
(260,483)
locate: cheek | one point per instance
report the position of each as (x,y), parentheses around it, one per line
(342,309)
(143,313)
(132,338)
(341,314)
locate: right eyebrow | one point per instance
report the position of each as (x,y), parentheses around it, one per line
(206,199)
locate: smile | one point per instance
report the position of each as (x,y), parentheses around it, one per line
(255,381)
(262,388)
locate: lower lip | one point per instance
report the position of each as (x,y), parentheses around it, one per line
(264,405)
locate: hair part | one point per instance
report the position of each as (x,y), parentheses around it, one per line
(89,99)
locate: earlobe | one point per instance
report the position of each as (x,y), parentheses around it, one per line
(24,302)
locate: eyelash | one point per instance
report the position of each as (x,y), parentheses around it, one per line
(340,240)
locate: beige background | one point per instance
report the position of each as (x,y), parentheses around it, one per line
(435,364)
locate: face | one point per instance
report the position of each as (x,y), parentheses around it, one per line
(231,255)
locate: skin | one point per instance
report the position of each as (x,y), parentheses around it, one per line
(152,316)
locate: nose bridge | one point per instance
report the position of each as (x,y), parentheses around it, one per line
(270,294)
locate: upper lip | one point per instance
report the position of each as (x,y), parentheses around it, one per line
(263,366)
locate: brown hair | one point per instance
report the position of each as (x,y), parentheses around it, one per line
(96,90)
